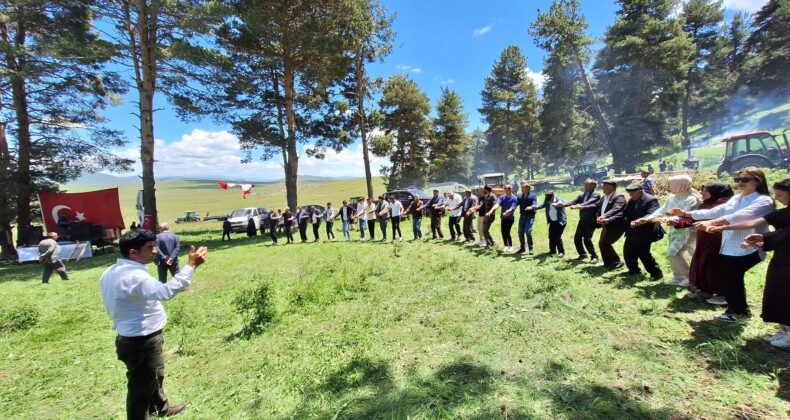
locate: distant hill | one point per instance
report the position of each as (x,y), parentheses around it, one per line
(106,179)
(111,180)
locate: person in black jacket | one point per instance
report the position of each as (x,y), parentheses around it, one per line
(639,237)
(586,204)
(610,216)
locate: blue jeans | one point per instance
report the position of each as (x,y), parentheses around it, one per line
(346,234)
(416,226)
(362,224)
(525,227)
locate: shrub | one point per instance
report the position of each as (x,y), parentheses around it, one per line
(256,307)
(23,317)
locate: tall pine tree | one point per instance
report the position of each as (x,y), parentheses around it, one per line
(770,44)
(449,142)
(642,72)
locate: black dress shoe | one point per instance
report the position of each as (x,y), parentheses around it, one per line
(657,276)
(618,265)
(172,410)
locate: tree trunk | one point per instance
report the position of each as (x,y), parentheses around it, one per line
(597,112)
(24,145)
(292,166)
(147,27)
(360,75)
(5,224)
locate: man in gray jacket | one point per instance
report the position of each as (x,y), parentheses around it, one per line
(49,255)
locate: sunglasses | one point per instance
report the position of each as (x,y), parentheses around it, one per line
(742,179)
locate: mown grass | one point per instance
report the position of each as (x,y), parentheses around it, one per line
(396,330)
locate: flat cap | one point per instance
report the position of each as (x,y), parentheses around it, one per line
(634,187)
(609,181)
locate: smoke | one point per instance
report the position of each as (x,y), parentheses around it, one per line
(745,112)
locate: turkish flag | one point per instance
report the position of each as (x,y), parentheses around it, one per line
(100,207)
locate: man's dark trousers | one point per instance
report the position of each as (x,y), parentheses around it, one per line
(162,268)
(145,371)
(583,238)
(57,267)
(455,227)
(637,248)
(608,238)
(303,231)
(468,228)
(436,226)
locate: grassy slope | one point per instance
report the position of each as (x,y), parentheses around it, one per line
(426,330)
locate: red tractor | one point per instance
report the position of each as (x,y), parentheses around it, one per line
(758,148)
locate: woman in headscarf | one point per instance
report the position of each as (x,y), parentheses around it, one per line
(777,279)
(752,201)
(704,270)
(681,241)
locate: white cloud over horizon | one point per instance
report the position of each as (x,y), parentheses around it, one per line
(411,69)
(217,154)
(750,6)
(482,31)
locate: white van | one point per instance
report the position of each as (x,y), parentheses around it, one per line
(239,218)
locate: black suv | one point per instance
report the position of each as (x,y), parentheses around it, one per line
(406,196)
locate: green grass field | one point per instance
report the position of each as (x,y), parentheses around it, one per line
(391,330)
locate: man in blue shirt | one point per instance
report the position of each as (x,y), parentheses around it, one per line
(527,202)
(648,185)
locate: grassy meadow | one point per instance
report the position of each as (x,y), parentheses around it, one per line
(416,330)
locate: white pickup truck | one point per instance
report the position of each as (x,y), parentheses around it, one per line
(239,218)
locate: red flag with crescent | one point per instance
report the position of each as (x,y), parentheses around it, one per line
(100,207)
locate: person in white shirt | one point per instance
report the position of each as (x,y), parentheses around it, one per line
(329,219)
(454,203)
(372,219)
(396,210)
(362,216)
(132,298)
(753,202)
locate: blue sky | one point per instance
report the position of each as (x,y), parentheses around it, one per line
(438,43)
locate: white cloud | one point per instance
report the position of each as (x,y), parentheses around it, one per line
(750,6)
(538,78)
(217,154)
(482,31)
(406,68)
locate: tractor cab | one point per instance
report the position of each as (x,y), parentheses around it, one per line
(759,148)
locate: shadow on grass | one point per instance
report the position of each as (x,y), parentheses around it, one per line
(725,349)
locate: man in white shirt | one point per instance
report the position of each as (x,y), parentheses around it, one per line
(396,210)
(362,216)
(132,298)
(453,203)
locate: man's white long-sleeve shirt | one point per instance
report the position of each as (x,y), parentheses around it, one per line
(132,297)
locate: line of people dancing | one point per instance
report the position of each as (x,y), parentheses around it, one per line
(715,235)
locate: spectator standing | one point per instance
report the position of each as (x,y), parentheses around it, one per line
(167,246)
(49,256)
(226,228)
(648,185)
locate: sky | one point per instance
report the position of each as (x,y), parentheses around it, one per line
(438,44)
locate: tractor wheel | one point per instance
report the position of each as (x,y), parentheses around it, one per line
(193,220)
(757,161)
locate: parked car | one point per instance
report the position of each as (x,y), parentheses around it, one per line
(406,195)
(239,218)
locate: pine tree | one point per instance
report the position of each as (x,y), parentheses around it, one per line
(642,71)
(404,119)
(449,143)
(52,82)
(770,44)
(510,107)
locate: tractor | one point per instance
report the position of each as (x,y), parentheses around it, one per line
(588,170)
(189,217)
(758,148)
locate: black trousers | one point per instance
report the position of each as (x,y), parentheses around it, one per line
(225,234)
(468,228)
(583,238)
(605,242)
(303,231)
(372,228)
(555,237)
(329,231)
(637,248)
(396,226)
(436,226)
(163,268)
(506,227)
(145,372)
(455,226)
(733,270)
(49,267)
(273,233)
(288,234)
(487,222)
(316,226)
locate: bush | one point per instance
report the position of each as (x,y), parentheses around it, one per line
(256,307)
(23,317)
